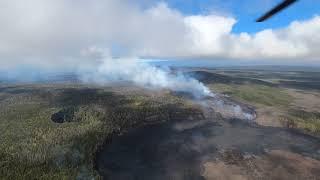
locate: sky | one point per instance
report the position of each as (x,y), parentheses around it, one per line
(66,34)
(247,11)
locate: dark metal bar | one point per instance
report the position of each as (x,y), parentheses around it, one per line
(276,9)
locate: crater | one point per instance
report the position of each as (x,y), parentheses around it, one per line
(64,115)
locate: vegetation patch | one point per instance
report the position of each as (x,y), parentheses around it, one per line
(309,121)
(34,146)
(255,94)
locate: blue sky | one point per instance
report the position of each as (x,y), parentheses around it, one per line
(246,11)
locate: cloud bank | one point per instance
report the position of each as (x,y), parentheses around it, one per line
(57,33)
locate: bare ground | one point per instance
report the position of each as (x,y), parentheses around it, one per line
(276,164)
(269,116)
(305,100)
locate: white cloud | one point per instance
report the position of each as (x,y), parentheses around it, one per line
(298,40)
(49,32)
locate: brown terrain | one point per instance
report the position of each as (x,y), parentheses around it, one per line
(224,144)
(276,164)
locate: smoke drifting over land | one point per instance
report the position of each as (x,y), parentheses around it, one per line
(108,70)
(135,71)
(145,75)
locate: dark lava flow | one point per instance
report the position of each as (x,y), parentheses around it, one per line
(177,150)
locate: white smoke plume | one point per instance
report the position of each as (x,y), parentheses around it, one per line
(136,71)
(231,109)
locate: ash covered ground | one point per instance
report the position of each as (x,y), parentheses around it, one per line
(218,146)
(228,141)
